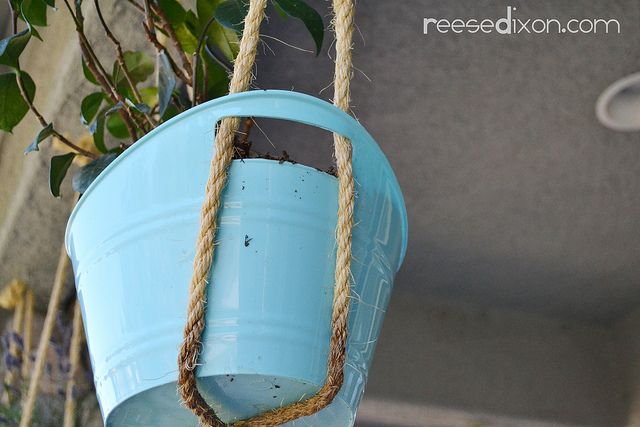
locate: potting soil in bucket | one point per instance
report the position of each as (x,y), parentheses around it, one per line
(131,240)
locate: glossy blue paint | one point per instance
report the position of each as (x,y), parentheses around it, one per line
(131,241)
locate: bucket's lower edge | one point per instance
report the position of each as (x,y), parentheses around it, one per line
(233,397)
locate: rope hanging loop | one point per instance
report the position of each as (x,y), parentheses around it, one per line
(195,323)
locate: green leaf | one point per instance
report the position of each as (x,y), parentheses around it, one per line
(308,15)
(36,34)
(205,9)
(149,96)
(88,173)
(12,106)
(280,11)
(182,98)
(116,126)
(174,11)
(97,131)
(166,82)
(140,66)
(42,135)
(113,108)
(140,107)
(217,79)
(88,74)
(35,12)
(58,170)
(90,106)
(231,13)
(192,22)
(188,41)
(12,47)
(78,5)
(171,112)
(225,39)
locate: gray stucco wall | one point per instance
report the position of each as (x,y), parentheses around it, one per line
(517,196)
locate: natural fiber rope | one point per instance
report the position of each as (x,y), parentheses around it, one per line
(188,358)
(190,349)
(45,338)
(74,361)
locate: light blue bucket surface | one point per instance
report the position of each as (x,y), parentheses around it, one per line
(131,240)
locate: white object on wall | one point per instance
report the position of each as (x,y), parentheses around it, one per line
(618,108)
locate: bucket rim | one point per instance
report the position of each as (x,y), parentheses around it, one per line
(251,95)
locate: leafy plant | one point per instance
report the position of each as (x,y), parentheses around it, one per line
(139,91)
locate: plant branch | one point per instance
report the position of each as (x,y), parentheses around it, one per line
(73,146)
(27,99)
(150,29)
(147,15)
(196,62)
(14,17)
(32,107)
(228,68)
(44,123)
(110,91)
(248,124)
(166,26)
(205,79)
(121,61)
(93,63)
(119,53)
(151,36)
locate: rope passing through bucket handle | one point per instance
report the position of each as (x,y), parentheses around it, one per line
(195,323)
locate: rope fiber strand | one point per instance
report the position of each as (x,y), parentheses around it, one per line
(195,323)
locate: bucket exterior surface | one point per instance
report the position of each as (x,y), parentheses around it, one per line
(131,240)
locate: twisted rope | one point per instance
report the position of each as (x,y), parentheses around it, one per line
(190,349)
(195,324)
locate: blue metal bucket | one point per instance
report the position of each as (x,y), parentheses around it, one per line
(131,239)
